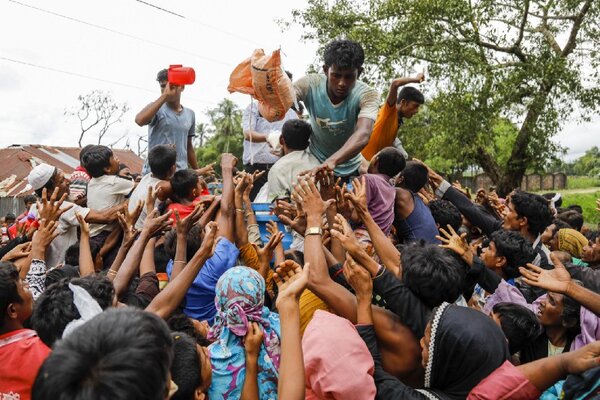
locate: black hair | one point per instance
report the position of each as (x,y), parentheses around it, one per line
(519,324)
(161,159)
(576,207)
(185,370)
(390,161)
(183,182)
(550,196)
(83,150)
(344,54)
(592,235)
(571,314)
(10,216)
(573,218)
(49,186)
(179,322)
(558,225)
(193,242)
(121,354)
(96,159)
(410,93)
(445,213)
(295,134)
(295,255)
(72,254)
(514,248)
(9,293)
(161,258)
(533,207)
(30,198)
(414,176)
(55,308)
(432,273)
(162,75)
(65,272)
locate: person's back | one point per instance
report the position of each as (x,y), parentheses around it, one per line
(283,175)
(161,161)
(413,218)
(106,189)
(185,193)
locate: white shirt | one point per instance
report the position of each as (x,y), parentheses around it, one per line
(67,227)
(139,194)
(285,172)
(105,192)
(260,153)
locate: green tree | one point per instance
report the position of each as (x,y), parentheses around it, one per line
(531,62)
(226,134)
(589,163)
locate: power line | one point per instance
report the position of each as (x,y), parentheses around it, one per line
(116,32)
(235,35)
(79,75)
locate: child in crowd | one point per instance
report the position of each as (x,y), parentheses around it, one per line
(106,189)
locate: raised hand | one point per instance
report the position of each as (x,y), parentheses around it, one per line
(359,278)
(134,215)
(358,196)
(298,223)
(209,170)
(129,231)
(209,242)
(253,340)
(17,252)
(52,209)
(83,225)
(183,226)
(265,253)
(458,244)
(343,205)
(156,223)
(554,280)
(291,280)
(327,183)
(579,361)
(228,160)
(306,194)
(343,232)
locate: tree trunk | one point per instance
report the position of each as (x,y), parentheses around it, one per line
(489,165)
(520,157)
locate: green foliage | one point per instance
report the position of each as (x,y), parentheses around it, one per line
(587,201)
(589,163)
(224,135)
(582,182)
(488,61)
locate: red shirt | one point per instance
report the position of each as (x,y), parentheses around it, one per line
(21,356)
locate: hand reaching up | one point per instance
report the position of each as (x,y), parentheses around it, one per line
(52,209)
(458,244)
(554,280)
(291,280)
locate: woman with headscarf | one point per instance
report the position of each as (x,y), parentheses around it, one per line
(460,348)
(239,299)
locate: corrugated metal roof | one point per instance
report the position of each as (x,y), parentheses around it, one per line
(17,161)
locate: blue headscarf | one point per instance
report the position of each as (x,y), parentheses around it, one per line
(239,299)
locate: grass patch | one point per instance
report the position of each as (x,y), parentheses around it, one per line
(582,182)
(587,201)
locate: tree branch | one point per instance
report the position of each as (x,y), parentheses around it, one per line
(572,42)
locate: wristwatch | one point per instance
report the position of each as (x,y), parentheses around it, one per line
(315,230)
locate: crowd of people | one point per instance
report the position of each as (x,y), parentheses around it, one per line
(397,284)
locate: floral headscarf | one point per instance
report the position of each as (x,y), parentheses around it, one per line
(239,299)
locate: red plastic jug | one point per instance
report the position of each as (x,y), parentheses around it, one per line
(180,75)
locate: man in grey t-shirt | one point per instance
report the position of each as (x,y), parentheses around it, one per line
(170,123)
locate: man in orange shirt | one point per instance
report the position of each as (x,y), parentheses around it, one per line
(397,107)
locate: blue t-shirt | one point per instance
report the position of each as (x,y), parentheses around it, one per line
(169,127)
(200,298)
(333,124)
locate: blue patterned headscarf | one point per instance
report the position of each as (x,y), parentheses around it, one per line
(239,299)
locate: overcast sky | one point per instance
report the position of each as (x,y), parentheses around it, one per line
(213,38)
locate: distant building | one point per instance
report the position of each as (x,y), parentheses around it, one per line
(17,160)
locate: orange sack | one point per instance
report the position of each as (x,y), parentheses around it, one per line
(262,77)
